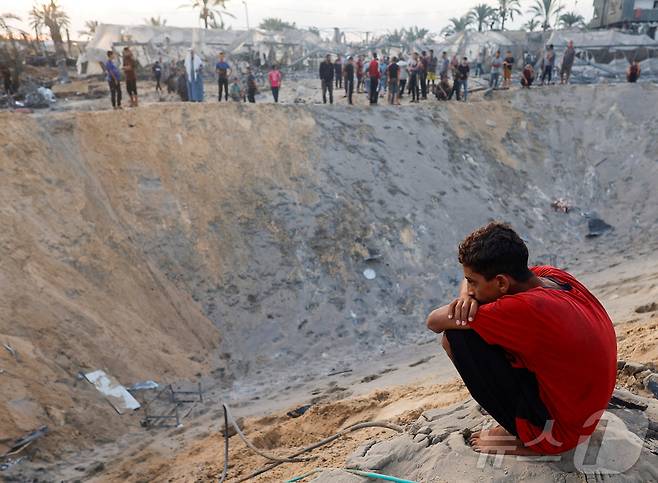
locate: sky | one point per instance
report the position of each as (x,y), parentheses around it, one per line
(377,16)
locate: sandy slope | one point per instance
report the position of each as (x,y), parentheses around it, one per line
(230,241)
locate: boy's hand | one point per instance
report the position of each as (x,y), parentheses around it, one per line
(463,310)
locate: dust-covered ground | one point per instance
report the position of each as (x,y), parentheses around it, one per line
(230,244)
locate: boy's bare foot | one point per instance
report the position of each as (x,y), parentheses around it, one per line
(498,441)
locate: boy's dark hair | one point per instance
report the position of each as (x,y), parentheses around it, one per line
(110,53)
(495,249)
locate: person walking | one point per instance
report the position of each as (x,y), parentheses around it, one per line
(130,71)
(404,76)
(327,79)
(275,81)
(349,79)
(393,77)
(223,70)
(567,63)
(496,67)
(157,74)
(113,80)
(374,74)
(338,72)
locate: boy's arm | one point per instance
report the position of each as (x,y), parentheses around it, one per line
(456,314)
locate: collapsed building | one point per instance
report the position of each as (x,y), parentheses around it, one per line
(288,47)
(601,54)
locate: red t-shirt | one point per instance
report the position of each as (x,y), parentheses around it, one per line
(275,78)
(567,340)
(373,69)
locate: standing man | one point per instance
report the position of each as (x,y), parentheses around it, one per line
(462,75)
(374,74)
(422,73)
(194,76)
(445,66)
(327,79)
(633,72)
(479,66)
(496,66)
(130,71)
(349,79)
(534,347)
(567,63)
(223,70)
(338,72)
(252,88)
(6,79)
(549,64)
(508,63)
(157,74)
(383,78)
(113,80)
(359,73)
(404,76)
(275,81)
(393,77)
(431,68)
(413,77)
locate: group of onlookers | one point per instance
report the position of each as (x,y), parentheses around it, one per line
(416,75)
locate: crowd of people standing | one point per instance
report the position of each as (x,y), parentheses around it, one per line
(391,77)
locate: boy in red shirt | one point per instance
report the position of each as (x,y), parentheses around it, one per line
(534,347)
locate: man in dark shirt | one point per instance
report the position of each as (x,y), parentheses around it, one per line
(422,74)
(113,80)
(6,78)
(252,88)
(462,70)
(157,74)
(338,72)
(349,79)
(508,64)
(223,72)
(327,79)
(393,75)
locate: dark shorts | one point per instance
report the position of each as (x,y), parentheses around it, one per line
(131,87)
(507,393)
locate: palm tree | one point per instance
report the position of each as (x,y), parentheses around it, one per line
(54,18)
(395,37)
(457,25)
(546,10)
(507,9)
(415,33)
(481,14)
(531,25)
(90,28)
(571,19)
(276,24)
(209,10)
(7,31)
(155,21)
